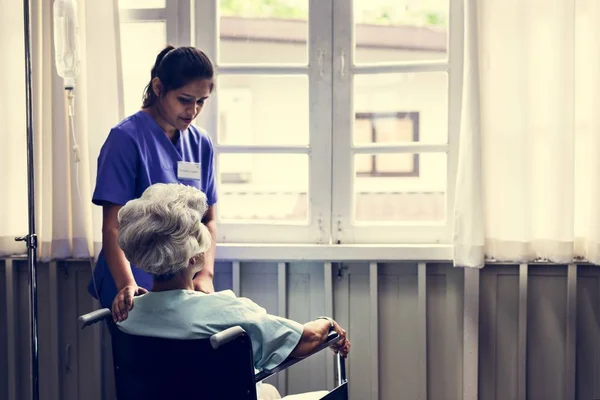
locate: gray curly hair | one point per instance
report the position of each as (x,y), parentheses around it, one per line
(163,229)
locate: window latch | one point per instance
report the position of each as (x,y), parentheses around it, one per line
(321,57)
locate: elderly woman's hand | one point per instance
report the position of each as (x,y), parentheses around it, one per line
(342,346)
(123,302)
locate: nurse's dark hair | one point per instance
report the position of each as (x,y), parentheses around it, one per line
(176,67)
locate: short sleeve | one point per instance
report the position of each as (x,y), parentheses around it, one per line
(273,338)
(280,338)
(211,187)
(116,176)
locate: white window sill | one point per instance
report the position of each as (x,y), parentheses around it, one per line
(333,253)
(323,253)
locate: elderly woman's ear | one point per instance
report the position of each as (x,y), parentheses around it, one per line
(197,260)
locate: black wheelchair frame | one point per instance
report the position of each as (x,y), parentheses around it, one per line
(220,367)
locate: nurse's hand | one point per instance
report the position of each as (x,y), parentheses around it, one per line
(123,302)
(203,283)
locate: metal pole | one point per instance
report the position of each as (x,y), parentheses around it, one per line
(341,370)
(31,238)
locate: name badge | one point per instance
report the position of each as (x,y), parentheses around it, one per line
(188,170)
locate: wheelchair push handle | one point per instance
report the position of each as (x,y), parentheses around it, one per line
(93,317)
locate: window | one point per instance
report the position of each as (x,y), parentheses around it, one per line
(146,28)
(334,121)
(394,57)
(235,109)
(270,141)
(387,128)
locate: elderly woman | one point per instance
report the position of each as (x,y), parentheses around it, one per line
(162,233)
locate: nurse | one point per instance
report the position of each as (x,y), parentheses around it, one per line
(157,144)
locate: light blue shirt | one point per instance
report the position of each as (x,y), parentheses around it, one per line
(186,314)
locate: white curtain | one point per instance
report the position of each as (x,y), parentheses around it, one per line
(529,176)
(68,225)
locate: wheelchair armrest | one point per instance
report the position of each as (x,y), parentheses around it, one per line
(219,339)
(93,317)
(332,337)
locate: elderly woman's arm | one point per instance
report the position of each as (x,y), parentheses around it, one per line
(315,333)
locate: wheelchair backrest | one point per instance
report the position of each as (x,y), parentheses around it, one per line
(149,368)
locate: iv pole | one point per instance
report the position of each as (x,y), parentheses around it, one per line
(31,239)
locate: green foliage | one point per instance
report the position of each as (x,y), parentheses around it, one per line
(382,12)
(284,9)
(435,19)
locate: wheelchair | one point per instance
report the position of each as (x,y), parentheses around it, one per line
(219,367)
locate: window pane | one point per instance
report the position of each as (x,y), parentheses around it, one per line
(400,187)
(272,187)
(401,108)
(142,3)
(140,44)
(263,31)
(267,110)
(400,30)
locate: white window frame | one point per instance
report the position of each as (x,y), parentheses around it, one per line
(330,70)
(318,70)
(176,15)
(345,230)
(178,30)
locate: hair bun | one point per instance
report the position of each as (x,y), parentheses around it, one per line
(160,57)
(175,67)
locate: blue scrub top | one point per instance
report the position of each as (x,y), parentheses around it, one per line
(137,154)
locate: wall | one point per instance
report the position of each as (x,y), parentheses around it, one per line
(527,330)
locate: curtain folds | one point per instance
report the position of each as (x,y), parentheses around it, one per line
(528,176)
(67,224)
